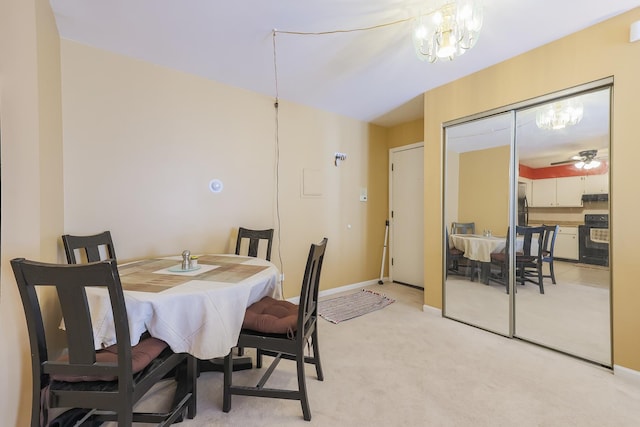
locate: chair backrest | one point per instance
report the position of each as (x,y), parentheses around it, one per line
(254,237)
(551,231)
(70,282)
(463,228)
(531,234)
(89,247)
(308,305)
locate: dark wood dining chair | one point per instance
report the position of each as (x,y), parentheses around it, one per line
(454,256)
(90,248)
(106,383)
(282,330)
(470,267)
(551,231)
(463,228)
(254,237)
(528,261)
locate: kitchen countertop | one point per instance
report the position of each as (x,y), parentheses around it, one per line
(560,223)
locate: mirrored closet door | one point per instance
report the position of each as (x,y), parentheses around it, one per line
(563,157)
(477,156)
(526,221)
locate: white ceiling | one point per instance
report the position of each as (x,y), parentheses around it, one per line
(370,75)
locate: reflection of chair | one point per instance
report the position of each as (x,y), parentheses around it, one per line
(454,255)
(88,247)
(106,383)
(460,261)
(528,262)
(463,228)
(282,330)
(550,234)
(255,236)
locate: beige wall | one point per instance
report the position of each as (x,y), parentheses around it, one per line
(142,143)
(483,193)
(30,131)
(594,53)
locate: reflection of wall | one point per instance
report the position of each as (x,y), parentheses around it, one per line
(562,170)
(452,191)
(558,65)
(484,189)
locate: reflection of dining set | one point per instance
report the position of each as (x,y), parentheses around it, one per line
(486,257)
(130,326)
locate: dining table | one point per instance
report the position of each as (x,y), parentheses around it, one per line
(198,311)
(478,248)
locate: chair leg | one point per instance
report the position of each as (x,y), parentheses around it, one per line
(228,372)
(302,387)
(192,379)
(316,355)
(540,279)
(553,275)
(258,358)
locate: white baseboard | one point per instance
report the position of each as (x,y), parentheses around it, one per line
(339,289)
(431,309)
(626,373)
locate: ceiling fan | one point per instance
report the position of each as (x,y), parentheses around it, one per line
(584,159)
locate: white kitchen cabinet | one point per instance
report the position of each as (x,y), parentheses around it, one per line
(567,243)
(557,192)
(569,191)
(596,184)
(543,192)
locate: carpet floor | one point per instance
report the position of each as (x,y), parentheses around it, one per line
(403,366)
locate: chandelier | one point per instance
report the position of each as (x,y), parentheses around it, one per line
(559,115)
(448,30)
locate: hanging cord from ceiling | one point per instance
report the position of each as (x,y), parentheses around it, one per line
(277,144)
(277,117)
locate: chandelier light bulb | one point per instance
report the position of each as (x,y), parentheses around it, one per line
(448,30)
(559,115)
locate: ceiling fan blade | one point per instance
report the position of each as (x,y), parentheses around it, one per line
(565,162)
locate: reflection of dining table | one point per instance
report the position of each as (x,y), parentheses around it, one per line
(477,247)
(199,312)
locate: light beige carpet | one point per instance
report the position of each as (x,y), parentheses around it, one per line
(402,366)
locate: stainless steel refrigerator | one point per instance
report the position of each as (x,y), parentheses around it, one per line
(523,205)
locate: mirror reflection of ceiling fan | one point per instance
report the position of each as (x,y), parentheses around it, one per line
(584,160)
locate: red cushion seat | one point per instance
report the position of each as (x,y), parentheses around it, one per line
(270,315)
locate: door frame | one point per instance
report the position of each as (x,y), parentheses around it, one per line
(390,213)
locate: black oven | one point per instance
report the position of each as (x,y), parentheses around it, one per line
(594,239)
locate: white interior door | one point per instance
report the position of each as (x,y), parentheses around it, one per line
(406,183)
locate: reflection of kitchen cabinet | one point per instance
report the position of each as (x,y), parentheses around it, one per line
(596,184)
(543,192)
(569,191)
(567,243)
(555,192)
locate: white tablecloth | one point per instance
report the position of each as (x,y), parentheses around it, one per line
(477,247)
(202,317)
(480,248)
